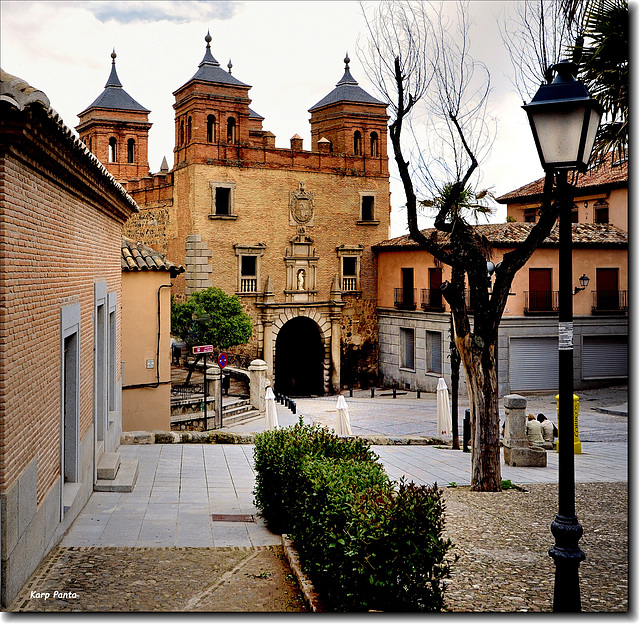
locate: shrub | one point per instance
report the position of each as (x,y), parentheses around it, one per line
(364,544)
(279,455)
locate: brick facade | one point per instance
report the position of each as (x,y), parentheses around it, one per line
(277,226)
(61,219)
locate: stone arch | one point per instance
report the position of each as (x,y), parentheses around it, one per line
(302,352)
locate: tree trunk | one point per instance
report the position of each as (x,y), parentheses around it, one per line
(482,383)
(455,379)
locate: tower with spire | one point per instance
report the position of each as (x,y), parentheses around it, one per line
(350,120)
(116,129)
(212,114)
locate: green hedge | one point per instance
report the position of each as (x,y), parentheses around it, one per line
(366,544)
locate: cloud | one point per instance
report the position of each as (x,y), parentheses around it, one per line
(180,11)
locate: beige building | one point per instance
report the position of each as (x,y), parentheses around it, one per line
(146,336)
(61,221)
(288,230)
(414,319)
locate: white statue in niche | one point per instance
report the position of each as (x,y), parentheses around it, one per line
(301,279)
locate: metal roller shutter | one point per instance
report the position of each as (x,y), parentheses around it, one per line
(533,364)
(604,356)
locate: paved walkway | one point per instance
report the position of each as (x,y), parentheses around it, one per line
(184,490)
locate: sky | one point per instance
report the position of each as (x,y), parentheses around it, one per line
(290,52)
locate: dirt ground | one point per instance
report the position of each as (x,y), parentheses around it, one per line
(243,580)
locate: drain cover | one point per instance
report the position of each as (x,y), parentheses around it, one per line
(232,518)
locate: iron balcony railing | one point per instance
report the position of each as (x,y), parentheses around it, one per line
(404,298)
(431,299)
(540,301)
(610,301)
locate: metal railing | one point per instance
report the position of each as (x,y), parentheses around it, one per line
(431,299)
(610,301)
(540,301)
(184,391)
(404,298)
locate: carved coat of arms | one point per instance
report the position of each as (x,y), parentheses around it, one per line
(301,206)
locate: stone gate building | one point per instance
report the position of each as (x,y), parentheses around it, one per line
(288,230)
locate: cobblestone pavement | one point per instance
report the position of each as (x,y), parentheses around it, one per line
(162,579)
(503,541)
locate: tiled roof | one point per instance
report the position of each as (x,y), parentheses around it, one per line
(209,70)
(511,234)
(114,96)
(605,176)
(139,257)
(347,90)
(19,94)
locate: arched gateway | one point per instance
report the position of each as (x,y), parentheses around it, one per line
(299,358)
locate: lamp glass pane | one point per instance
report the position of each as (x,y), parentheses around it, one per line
(559,133)
(594,122)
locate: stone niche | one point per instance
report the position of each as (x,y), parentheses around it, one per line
(301,269)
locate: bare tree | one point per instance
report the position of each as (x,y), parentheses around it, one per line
(419,59)
(537,34)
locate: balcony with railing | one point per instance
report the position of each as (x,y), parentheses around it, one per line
(349,284)
(404,298)
(610,302)
(431,299)
(540,302)
(248,284)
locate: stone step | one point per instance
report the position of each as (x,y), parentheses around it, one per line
(237,419)
(108,466)
(124,481)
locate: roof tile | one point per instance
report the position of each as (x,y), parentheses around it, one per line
(139,257)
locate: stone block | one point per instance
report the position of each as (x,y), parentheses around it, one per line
(27,496)
(525,456)
(9,521)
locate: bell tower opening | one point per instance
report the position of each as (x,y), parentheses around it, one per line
(299,361)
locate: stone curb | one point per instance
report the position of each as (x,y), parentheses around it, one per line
(228,437)
(304,582)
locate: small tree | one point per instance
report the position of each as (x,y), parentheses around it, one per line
(210,316)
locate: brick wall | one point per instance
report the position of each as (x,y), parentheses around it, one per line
(61,232)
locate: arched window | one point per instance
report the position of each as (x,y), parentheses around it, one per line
(357,143)
(231,130)
(211,131)
(189,130)
(131,150)
(112,150)
(374,144)
(182,132)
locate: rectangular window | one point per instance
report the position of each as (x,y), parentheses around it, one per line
(349,273)
(248,274)
(222,201)
(601,212)
(530,215)
(249,267)
(433,349)
(407,348)
(112,365)
(367,207)
(70,391)
(100,360)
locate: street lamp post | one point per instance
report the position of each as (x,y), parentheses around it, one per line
(564,120)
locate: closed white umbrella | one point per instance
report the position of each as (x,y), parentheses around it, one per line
(343,426)
(271,415)
(443,409)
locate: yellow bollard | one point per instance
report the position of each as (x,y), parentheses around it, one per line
(577,445)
